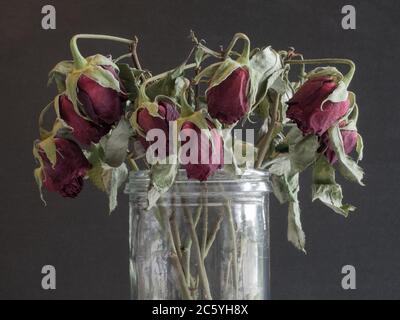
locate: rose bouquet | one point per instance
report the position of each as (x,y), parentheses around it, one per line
(112,115)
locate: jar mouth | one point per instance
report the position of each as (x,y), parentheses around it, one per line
(251,181)
(249,175)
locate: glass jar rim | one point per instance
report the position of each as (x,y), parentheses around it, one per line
(249,175)
(252,181)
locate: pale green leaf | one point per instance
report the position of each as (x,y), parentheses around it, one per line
(59,73)
(116,144)
(265,68)
(360,147)
(303,153)
(338,95)
(72,91)
(326,189)
(130,80)
(38,174)
(100,60)
(325,72)
(223,71)
(162,178)
(347,166)
(295,232)
(113,178)
(49,148)
(207,72)
(103,77)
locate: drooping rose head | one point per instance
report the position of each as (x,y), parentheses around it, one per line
(228,101)
(71,167)
(84,131)
(308,109)
(349,138)
(208,155)
(102,105)
(167,112)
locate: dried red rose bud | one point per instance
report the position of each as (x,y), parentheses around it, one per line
(306,109)
(202,171)
(228,101)
(349,138)
(71,167)
(84,131)
(103,105)
(167,112)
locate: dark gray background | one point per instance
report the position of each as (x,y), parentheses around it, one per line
(90,249)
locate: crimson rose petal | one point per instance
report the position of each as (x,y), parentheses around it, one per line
(306,110)
(71,167)
(84,131)
(202,171)
(228,101)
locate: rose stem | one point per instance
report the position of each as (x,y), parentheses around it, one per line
(232,232)
(135,57)
(132,163)
(175,231)
(205,226)
(207,50)
(164,74)
(79,60)
(174,258)
(213,233)
(202,271)
(347,78)
(124,56)
(245,56)
(228,272)
(188,245)
(268,137)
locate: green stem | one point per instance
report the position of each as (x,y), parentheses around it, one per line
(245,56)
(205,227)
(347,78)
(79,61)
(232,232)
(202,270)
(165,224)
(124,56)
(186,251)
(213,233)
(269,135)
(132,163)
(142,91)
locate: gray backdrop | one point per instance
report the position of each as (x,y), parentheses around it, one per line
(90,249)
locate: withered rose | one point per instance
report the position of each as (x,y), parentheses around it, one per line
(102,105)
(349,138)
(307,110)
(84,131)
(167,112)
(214,150)
(71,167)
(228,101)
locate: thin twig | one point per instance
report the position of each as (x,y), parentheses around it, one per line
(205,226)
(213,233)
(174,258)
(186,250)
(175,233)
(232,232)
(201,268)
(269,135)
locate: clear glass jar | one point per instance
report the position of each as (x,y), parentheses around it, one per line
(204,240)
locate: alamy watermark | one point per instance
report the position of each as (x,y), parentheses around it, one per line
(349,18)
(49,280)
(200,146)
(349,280)
(49,18)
